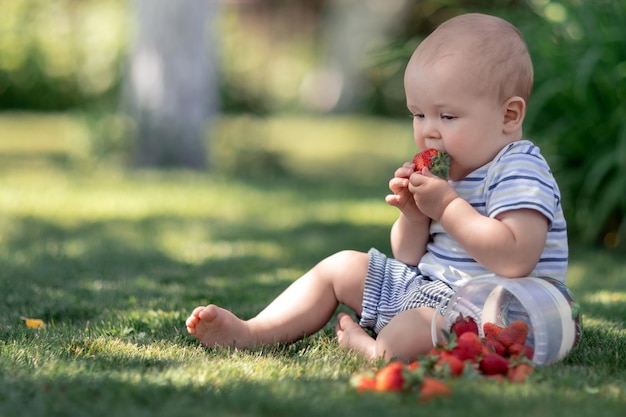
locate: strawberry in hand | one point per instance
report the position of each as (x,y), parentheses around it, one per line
(431,195)
(437,162)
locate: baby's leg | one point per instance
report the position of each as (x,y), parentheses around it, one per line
(407,336)
(213,325)
(352,336)
(302,309)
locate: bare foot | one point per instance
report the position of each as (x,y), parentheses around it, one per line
(215,326)
(354,337)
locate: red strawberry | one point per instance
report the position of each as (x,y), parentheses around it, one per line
(493,364)
(436,350)
(464,324)
(431,388)
(498,378)
(390,377)
(519,373)
(492,345)
(515,332)
(491,330)
(363,381)
(517,350)
(469,347)
(437,162)
(451,362)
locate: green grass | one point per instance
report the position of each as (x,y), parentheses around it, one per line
(113,261)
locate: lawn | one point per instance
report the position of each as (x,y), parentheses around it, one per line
(113,260)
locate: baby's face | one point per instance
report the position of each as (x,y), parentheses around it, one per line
(452,112)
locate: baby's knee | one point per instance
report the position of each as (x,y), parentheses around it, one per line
(350,258)
(346,263)
(407,335)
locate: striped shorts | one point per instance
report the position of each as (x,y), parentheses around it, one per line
(392,287)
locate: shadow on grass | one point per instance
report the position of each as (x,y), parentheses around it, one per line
(111,394)
(68,274)
(104,395)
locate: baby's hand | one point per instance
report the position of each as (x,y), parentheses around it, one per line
(430,193)
(402,198)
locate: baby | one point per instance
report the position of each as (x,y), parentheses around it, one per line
(467,86)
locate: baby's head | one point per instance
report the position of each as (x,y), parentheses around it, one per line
(489,48)
(467,86)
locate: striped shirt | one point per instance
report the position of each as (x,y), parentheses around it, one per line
(517,178)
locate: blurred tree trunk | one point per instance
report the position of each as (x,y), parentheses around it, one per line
(171,84)
(353,28)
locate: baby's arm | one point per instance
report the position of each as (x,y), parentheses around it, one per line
(409,239)
(410,232)
(509,245)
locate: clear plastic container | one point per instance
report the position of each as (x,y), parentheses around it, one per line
(545,304)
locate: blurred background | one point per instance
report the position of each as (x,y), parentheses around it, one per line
(199,85)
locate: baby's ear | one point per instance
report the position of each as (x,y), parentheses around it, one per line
(514,113)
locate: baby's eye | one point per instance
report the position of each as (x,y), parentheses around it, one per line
(447,116)
(418,115)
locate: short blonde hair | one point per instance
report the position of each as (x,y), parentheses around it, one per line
(495,47)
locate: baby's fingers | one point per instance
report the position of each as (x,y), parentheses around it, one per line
(405,170)
(398,185)
(393,200)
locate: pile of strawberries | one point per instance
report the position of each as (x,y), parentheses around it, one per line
(502,354)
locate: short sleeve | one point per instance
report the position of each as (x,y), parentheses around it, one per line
(521,179)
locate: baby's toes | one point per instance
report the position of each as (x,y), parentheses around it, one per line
(196,312)
(191,322)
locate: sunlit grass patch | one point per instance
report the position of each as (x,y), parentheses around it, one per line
(607,298)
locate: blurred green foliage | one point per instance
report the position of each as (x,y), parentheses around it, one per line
(69,54)
(578,111)
(61,54)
